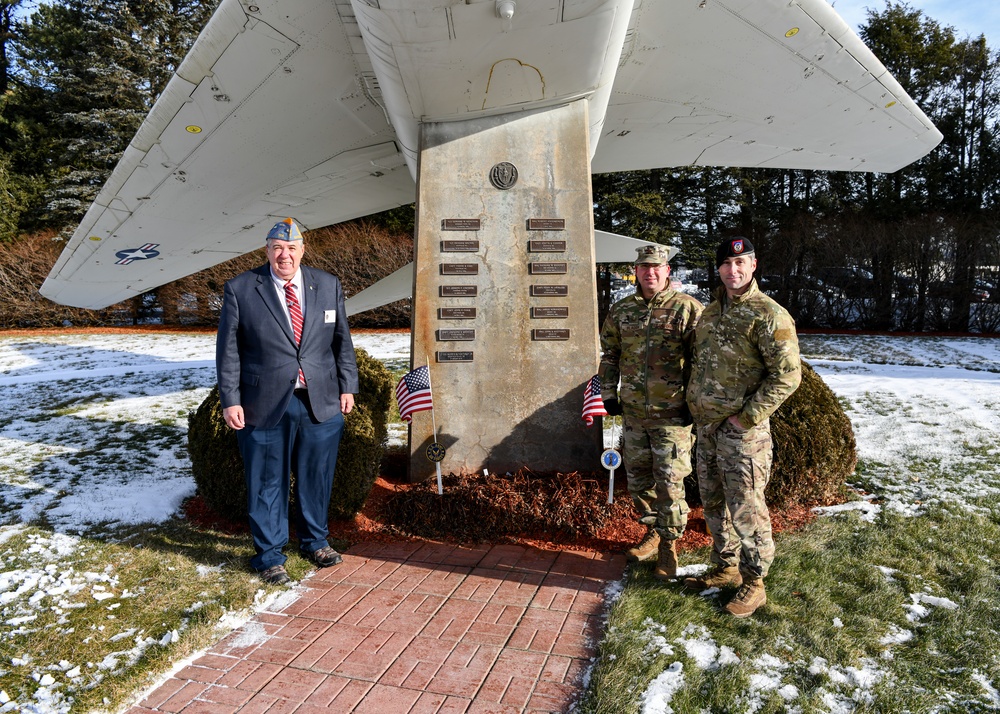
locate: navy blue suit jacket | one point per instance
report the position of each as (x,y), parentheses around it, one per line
(256,358)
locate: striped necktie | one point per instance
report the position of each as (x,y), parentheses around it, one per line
(294,312)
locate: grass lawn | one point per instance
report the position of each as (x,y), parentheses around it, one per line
(896,615)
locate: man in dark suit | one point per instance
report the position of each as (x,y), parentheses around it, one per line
(287,376)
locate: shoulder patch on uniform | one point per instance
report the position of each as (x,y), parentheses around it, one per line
(783,334)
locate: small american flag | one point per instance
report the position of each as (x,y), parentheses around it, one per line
(593,405)
(413,393)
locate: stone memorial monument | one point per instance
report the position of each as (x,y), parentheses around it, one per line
(505,302)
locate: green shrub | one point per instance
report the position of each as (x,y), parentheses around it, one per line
(814,447)
(215,460)
(218,467)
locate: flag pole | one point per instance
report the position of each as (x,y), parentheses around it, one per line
(434,429)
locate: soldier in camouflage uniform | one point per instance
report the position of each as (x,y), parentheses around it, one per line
(746,363)
(646,341)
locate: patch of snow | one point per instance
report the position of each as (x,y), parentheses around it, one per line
(656,698)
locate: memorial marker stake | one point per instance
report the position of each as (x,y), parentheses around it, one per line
(611,460)
(434,429)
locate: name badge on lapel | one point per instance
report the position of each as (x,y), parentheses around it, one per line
(329,316)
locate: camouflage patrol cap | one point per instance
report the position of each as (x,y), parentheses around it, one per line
(733,247)
(652,255)
(286,230)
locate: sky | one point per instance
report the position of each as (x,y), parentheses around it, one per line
(968,17)
(113,408)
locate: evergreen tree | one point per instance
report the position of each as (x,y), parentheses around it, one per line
(90,71)
(17,189)
(956,82)
(8,12)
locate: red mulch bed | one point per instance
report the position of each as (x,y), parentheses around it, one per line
(620,534)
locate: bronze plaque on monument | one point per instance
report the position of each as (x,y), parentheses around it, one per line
(549,290)
(456,313)
(460,224)
(548,312)
(460,269)
(453,356)
(547,268)
(546,246)
(456,335)
(549,335)
(459,246)
(458,290)
(546,224)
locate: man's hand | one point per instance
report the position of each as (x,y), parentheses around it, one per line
(346,403)
(735,421)
(234,417)
(613,407)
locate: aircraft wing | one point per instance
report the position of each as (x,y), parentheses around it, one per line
(616,248)
(396,286)
(608,248)
(263,120)
(756,84)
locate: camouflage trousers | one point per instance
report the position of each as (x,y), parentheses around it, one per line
(657,458)
(734,466)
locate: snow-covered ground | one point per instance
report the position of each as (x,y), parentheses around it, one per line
(92,427)
(92,432)
(918,400)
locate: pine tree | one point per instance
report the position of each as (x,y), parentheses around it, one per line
(91,71)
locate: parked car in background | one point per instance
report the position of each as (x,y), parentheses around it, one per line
(949,290)
(988,290)
(851,282)
(769,283)
(904,287)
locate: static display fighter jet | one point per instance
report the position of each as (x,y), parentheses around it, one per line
(312,108)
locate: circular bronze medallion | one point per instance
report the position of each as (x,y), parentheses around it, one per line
(436,452)
(503,175)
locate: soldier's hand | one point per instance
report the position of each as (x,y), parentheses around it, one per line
(613,407)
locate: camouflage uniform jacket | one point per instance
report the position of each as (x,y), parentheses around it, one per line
(648,345)
(746,359)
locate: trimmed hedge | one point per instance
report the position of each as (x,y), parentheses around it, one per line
(814,447)
(218,467)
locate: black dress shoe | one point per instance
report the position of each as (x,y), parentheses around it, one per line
(324,557)
(275,575)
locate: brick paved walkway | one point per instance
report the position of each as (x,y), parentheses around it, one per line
(411,627)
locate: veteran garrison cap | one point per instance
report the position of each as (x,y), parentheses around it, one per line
(652,255)
(285,230)
(732,248)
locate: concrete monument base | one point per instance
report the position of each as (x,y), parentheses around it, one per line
(505,303)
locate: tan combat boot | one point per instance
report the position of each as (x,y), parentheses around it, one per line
(646,550)
(747,599)
(666,561)
(719,577)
